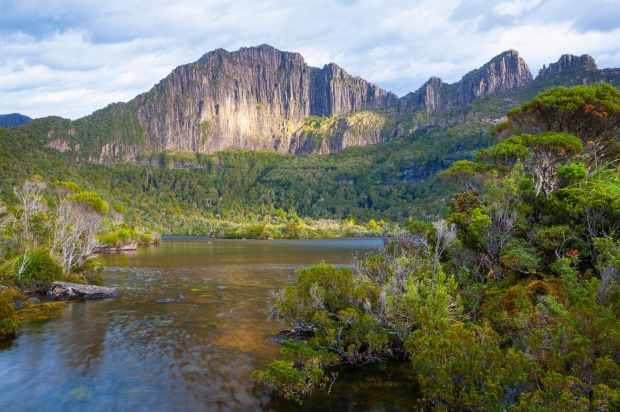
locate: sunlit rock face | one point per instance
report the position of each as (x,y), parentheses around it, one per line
(502,74)
(254,99)
(568,62)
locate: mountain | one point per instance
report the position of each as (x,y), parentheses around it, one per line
(13,120)
(503,74)
(254,99)
(382,158)
(261,98)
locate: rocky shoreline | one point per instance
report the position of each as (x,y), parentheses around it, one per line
(76,291)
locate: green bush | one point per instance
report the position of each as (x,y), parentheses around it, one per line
(33,269)
(8,319)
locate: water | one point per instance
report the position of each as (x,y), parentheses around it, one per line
(133,353)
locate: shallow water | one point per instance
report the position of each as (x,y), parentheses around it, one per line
(133,353)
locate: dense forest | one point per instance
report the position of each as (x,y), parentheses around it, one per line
(183,193)
(512,301)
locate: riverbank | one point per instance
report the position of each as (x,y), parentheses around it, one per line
(274,227)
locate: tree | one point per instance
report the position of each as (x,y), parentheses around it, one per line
(30,197)
(465,175)
(608,265)
(78,218)
(444,236)
(592,113)
(548,151)
(541,154)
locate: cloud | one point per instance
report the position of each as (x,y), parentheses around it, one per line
(515,8)
(71,57)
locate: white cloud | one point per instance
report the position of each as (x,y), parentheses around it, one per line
(515,7)
(70,57)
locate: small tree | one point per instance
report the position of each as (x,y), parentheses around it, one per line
(541,154)
(592,113)
(31,202)
(78,219)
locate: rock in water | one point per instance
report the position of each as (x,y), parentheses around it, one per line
(75,291)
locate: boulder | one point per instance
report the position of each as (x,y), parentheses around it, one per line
(76,291)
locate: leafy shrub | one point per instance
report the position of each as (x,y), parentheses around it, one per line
(299,372)
(33,269)
(8,319)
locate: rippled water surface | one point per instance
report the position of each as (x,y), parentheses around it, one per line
(133,353)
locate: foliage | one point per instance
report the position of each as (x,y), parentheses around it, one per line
(520,309)
(592,113)
(8,318)
(33,269)
(464,368)
(299,372)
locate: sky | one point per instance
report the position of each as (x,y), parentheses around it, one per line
(71,57)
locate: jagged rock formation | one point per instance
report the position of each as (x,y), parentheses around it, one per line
(261,98)
(430,97)
(568,62)
(13,120)
(503,74)
(252,99)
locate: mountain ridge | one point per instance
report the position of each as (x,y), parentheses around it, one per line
(261,98)
(13,120)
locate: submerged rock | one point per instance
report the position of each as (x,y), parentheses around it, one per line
(180,298)
(76,291)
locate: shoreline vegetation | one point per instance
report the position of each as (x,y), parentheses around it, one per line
(280,225)
(51,232)
(512,302)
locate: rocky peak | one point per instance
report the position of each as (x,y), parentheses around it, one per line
(429,96)
(568,62)
(13,120)
(253,99)
(263,55)
(503,73)
(335,92)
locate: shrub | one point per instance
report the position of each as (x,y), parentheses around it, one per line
(8,319)
(33,269)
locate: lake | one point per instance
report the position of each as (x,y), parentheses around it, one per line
(132,353)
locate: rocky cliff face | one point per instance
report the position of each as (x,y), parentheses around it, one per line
(261,98)
(568,62)
(504,73)
(252,99)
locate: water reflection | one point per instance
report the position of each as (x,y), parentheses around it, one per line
(133,353)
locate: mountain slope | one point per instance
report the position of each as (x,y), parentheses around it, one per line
(13,120)
(260,98)
(252,99)
(393,179)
